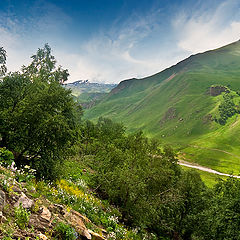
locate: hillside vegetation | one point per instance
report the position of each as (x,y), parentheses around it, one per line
(180,105)
(65,178)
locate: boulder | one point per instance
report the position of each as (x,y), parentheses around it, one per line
(96,236)
(25,201)
(16,189)
(39,223)
(3,219)
(2,199)
(77,220)
(45,213)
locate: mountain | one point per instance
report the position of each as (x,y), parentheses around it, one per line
(85,91)
(180,105)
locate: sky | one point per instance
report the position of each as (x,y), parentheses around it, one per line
(112,40)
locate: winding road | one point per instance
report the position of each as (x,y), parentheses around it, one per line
(205,169)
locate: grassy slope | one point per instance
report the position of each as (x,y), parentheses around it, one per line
(142,104)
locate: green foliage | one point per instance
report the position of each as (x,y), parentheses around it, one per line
(3,58)
(226,109)
(25,174)
(37,115)
(65,232)
(6,157)
(22,217)
(143,179)
(221,216)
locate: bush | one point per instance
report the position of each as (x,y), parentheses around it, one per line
(226,109)
(65,232)
(22,217)
(6,157)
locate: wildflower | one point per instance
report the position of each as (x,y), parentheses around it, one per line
(12,167)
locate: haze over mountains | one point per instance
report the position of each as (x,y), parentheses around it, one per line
(177,106)
(85,91)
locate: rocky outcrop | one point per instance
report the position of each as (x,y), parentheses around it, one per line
(170,114)
(217,90)
(24,201)
(2,200)
(43,214)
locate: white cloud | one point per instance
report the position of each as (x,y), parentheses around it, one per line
(208,30)
(135,47)
(110,56)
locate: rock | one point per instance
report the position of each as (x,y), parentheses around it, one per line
(16,190)
(95,236)
(45,213)
(77,221)
(39,223)
(57,208)
(3,219)
(85,219)
(2,199)
(217,90)
(25,201)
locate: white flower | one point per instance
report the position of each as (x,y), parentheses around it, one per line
(12,167)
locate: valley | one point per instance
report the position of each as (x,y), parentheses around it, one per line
(180,106)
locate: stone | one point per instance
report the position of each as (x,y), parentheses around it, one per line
(84,218)
(77,221)
(25,201)
(3,219)
(16,190)
(39,223)
(96,236)
(45,213)
(2,199)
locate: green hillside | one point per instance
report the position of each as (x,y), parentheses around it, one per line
(177,106)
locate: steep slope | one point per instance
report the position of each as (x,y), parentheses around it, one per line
(176,106)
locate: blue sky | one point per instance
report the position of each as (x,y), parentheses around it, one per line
(112,40)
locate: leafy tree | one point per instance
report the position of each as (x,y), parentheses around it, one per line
(3,58)
(226,109)
(221,216)
(37,115)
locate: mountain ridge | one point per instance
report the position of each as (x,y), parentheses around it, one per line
(175,106)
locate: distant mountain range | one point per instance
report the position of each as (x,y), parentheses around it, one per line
(88,93)
(193,105)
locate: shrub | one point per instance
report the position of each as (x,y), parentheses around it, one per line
(65,232)
(6,157)
(22,216)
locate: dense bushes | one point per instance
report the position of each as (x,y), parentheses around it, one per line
(142,179)
(226,109)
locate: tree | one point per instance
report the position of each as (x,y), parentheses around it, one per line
(37,115)
(3,58)
(221,216)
